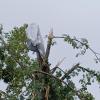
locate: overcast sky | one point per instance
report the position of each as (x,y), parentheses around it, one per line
(79,18)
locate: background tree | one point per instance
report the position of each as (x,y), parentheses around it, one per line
(27,80)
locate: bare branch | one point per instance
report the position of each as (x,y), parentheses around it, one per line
(54,69)
(75,67)
(70,71)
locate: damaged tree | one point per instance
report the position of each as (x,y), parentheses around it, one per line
(32,79)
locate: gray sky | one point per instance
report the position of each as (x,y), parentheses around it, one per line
(79,18)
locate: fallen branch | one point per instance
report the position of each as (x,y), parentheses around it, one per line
(75,67)
(70,71)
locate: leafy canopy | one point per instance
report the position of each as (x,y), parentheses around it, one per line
(28,81)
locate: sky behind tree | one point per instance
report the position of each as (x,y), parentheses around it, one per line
(80,18)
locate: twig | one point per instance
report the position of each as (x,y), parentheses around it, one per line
(53,69)
(90,49)
(95,53)
(89,71)
(60,62)
(59,37)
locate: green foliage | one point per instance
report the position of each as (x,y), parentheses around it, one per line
(18,66)
(81,44)
(17,70)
